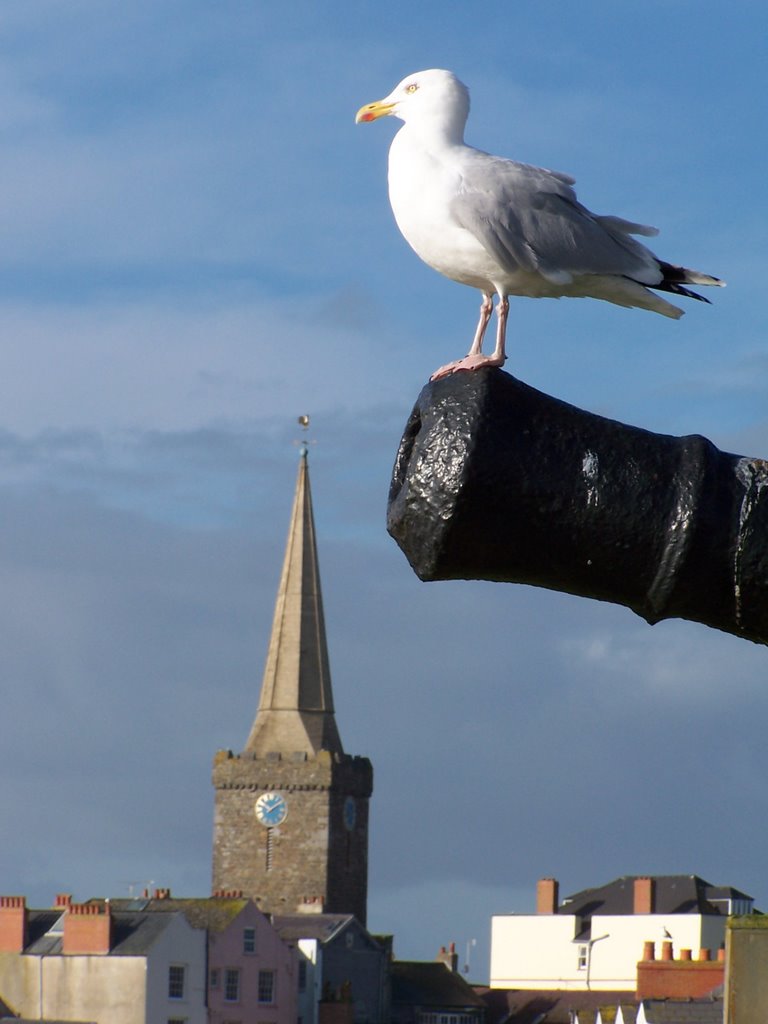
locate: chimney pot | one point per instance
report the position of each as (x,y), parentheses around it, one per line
(705,954)
(666,950)
(685,954)
(449,957)
(649,951)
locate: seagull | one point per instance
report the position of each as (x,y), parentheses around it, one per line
(504,227)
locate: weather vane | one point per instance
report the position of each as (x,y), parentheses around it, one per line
(304,443)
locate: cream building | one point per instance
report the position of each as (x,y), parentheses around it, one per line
(595,938)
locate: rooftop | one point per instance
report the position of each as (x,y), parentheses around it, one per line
(430,984)
(673,894)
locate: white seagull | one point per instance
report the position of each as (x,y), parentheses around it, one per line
(504,227)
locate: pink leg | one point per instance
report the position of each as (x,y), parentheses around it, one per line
(475,359)
(486,308)
(502,312)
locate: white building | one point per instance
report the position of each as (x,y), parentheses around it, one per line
(595,938)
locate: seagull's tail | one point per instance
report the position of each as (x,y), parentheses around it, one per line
(675,278)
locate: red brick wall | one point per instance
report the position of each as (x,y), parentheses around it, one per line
(87,929)
(644,893)
(678,979)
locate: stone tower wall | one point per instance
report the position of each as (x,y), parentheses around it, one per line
(314,863)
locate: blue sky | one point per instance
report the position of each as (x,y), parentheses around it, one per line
(198,247)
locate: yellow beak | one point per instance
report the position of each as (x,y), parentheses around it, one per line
(373,110)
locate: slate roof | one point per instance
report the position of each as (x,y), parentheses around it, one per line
(430,984)
(556,1006)
(683,1011)
(133,932)
(322,927)
(673,894)
(212,912)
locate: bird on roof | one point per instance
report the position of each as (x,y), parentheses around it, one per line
(508,228)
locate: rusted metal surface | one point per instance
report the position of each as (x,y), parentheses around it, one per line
(494,480)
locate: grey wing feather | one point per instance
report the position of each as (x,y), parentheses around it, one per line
(529,218)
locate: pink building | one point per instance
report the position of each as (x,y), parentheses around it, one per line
(250,966)
(252,973)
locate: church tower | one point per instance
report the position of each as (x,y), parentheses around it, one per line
(291,810)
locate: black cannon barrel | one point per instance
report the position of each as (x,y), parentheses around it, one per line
(494,480)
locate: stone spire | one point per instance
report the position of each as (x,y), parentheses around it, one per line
(295,711)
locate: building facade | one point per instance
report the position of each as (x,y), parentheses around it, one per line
(86,962)
(291,809)
(149,960)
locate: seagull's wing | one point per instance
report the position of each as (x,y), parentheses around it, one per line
(529,218)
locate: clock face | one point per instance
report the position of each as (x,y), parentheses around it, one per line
(271,809)
(350,813)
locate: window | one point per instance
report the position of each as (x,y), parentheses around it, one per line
(231,985)
(176,981)
(177,1020)
(266,986)
(583,957)
(249,940)
(214,979)
(302,975)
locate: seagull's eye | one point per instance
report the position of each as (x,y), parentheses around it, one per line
(413,87)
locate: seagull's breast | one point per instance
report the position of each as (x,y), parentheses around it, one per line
(423,181)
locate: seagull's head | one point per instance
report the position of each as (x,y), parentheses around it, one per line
(433,96)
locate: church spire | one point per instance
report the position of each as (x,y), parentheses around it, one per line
(295,711)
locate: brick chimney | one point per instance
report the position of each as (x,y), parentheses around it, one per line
(449,957)
(644,896)
(13,924)
(684,978)
(547,895)
(87,929)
